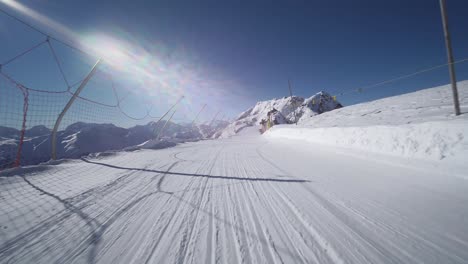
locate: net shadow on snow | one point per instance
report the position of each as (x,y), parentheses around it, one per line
(196,175)
(88,242)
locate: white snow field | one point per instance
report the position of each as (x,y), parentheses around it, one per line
(245,199)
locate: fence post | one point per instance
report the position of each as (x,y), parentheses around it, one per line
(448,45)
(69,104)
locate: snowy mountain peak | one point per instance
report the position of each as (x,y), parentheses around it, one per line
(290,109)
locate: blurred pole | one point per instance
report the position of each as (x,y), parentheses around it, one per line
(448,44)
(67,106)
(195,119)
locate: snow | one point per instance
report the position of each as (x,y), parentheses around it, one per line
(433,104)
(243,199)
(362,187)
(430,140)
(152,144)
(416,125)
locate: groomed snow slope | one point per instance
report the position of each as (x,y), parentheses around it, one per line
(417,125)
(245,199)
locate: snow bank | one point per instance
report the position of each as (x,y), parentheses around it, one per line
(232,129)
(430,140)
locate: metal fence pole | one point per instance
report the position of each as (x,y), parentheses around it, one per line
(448,44)
(69,104)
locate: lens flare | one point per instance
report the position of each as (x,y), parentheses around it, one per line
(154,69)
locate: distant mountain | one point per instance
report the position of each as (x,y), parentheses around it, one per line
(290,110)
(317,104)
(37,131)
(8,132)
(81,138)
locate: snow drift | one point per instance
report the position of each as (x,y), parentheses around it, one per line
(432,140)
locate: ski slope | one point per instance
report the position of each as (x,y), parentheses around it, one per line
(246,199)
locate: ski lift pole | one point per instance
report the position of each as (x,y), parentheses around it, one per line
(172,107)
(195,119)
(448,45)
(67,106)
(165,124)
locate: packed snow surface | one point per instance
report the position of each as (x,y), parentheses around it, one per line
(382,182)
(246,199)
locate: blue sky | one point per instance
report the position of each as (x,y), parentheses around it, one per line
(231,54)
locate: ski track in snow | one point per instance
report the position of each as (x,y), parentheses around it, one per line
(239,200)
